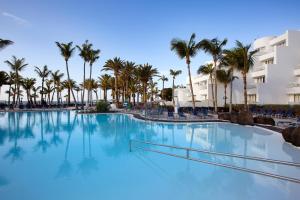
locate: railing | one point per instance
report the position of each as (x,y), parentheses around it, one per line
(292,85)
(259,68)
(188,157)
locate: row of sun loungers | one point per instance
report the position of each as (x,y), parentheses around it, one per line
(273,113)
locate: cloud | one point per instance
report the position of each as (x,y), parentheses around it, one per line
(15,18)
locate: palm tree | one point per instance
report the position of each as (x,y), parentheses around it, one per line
(3,79)
(187,50)
(127,75)
(208,69)
(245,61)
(104,82)
(84,54)
(17,65)
(28,85)
(230,61)
(152,86)
(93,57)
(5,43)
(69,85)
(56,77)
(174,73)
(66,50)
(164,79)
(146,72)
(225,77)
(11,76)
(48,89)
(42,73)
(114,65)
(35,95)
(215,48)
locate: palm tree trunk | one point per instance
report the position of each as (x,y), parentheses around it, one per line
(57,94)
(230,100)
(216,86)
(245,91)
(173,85)
(105,94)
(90,88)
(191,85)
(9,91)
(225,95)
(52,97)
(116,88)
(42,94)
(69,96)
(144,93)
(212,90)
(16,87)
(69,82)
(133,97)
(82,98)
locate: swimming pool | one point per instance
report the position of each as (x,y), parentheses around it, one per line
(64,155)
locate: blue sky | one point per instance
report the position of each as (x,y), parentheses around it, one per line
(140,31)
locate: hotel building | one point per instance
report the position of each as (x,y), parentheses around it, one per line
(274,78)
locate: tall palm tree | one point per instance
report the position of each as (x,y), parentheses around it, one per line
(104,82)
(245,61)
(174,73)
(42,73)
(17,65)
(93,57)
(84,54)
(5,43)
(146,72)
(115,66)
(66,51)
(215,48)
(3,79)
(187,50)
(164,79)
(225,77)
(56,77)
(208,69)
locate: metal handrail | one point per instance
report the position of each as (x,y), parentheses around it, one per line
(220,164)
(225,154)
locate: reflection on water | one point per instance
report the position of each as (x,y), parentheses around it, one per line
(69,146)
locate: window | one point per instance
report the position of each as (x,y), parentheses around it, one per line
(281,44)
(251,98)
(260,79)
(269,61)
(297,98)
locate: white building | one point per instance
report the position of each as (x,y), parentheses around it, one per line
(274,78)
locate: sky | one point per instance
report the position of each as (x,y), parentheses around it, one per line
(134,30)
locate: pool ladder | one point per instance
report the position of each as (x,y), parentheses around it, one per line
(188,157)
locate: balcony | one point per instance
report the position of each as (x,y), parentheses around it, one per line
(266,56)
(293,88)
(297,70)
(251,89)
(258,71)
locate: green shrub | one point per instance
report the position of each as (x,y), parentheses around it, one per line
(102,106)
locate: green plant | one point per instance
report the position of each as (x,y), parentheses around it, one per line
(102,106)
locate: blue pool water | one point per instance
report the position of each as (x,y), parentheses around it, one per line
(64,155)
